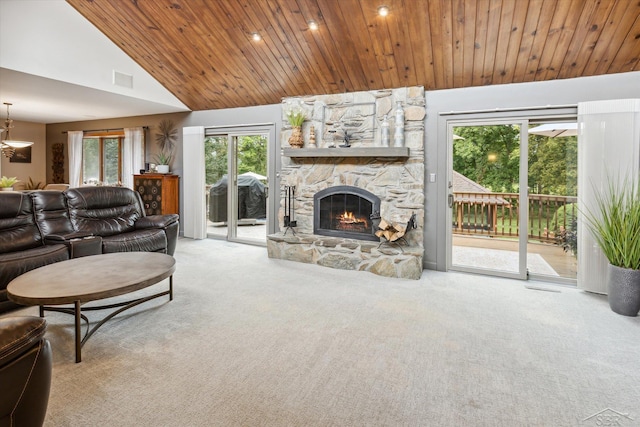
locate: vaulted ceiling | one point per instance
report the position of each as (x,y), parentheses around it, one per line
(202,50)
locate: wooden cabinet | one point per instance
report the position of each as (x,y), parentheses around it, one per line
(160,192)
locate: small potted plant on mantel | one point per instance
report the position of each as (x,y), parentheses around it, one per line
(166,140)
(296,117)
(615,225)
(6,183)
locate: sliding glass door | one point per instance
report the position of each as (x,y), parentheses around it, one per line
(237,186)
(487,188)
(216,181)
(512,198)
(250,191)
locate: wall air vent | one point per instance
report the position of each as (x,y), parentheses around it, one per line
(122,79)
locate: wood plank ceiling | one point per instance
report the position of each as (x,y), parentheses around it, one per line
(203,52)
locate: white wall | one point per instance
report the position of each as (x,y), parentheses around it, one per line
(523,95)
(57,42)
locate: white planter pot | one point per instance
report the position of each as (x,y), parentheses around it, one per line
(162,168)
(6,188)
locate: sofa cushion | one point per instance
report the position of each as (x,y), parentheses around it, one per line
(149,240)
(103,211)
(17,263)
(50,209)
(18,230)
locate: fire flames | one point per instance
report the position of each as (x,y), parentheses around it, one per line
(347,221)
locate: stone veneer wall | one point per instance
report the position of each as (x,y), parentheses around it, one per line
(399,182)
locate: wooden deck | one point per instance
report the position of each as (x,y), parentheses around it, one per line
(565,264)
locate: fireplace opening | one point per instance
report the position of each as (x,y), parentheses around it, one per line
(345,211)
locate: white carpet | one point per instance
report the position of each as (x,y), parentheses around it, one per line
(495,259)
(250,341)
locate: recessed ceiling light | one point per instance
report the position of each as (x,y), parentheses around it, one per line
(256,37)
(383,11)
(313,25)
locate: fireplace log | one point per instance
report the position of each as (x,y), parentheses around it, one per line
(391,231)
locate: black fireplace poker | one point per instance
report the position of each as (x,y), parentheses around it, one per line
(289,198)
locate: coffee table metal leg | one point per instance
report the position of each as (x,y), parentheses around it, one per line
(78,339)
(77,313)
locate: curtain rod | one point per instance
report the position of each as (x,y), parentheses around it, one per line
(107,130)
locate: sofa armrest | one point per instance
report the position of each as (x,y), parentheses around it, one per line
(53,239)
(18,334)
(25,371)
(79,244)
(157,221)
(170,223)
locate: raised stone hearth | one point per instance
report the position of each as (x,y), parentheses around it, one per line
(397,179)
(390,260)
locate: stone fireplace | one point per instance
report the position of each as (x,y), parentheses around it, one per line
(346,211)
(341,192)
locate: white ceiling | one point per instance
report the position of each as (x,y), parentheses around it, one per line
(57,67)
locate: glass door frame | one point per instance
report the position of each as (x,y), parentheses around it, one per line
(523,214)
(268,130)
(232,186)
(535,115)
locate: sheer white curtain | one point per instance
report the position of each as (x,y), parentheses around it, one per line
(608,141)
(74,143)
(132,154)
(193,182)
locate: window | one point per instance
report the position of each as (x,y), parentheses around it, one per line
(102,159)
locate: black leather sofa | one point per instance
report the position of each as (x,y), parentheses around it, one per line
(45,226)
(25,371)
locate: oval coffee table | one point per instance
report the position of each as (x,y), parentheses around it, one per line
(81,280)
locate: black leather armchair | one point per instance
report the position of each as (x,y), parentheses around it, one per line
(25,371)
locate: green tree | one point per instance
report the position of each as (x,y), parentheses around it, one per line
(90,160)
(489,155)
(111,156)
(553,167)
(252,154)
(215,158)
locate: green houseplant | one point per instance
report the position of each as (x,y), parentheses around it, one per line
(32,185)
(163,160)
(296,117)
(6,183)
(614,222)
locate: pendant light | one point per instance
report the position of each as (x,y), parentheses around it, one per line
(9,145)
